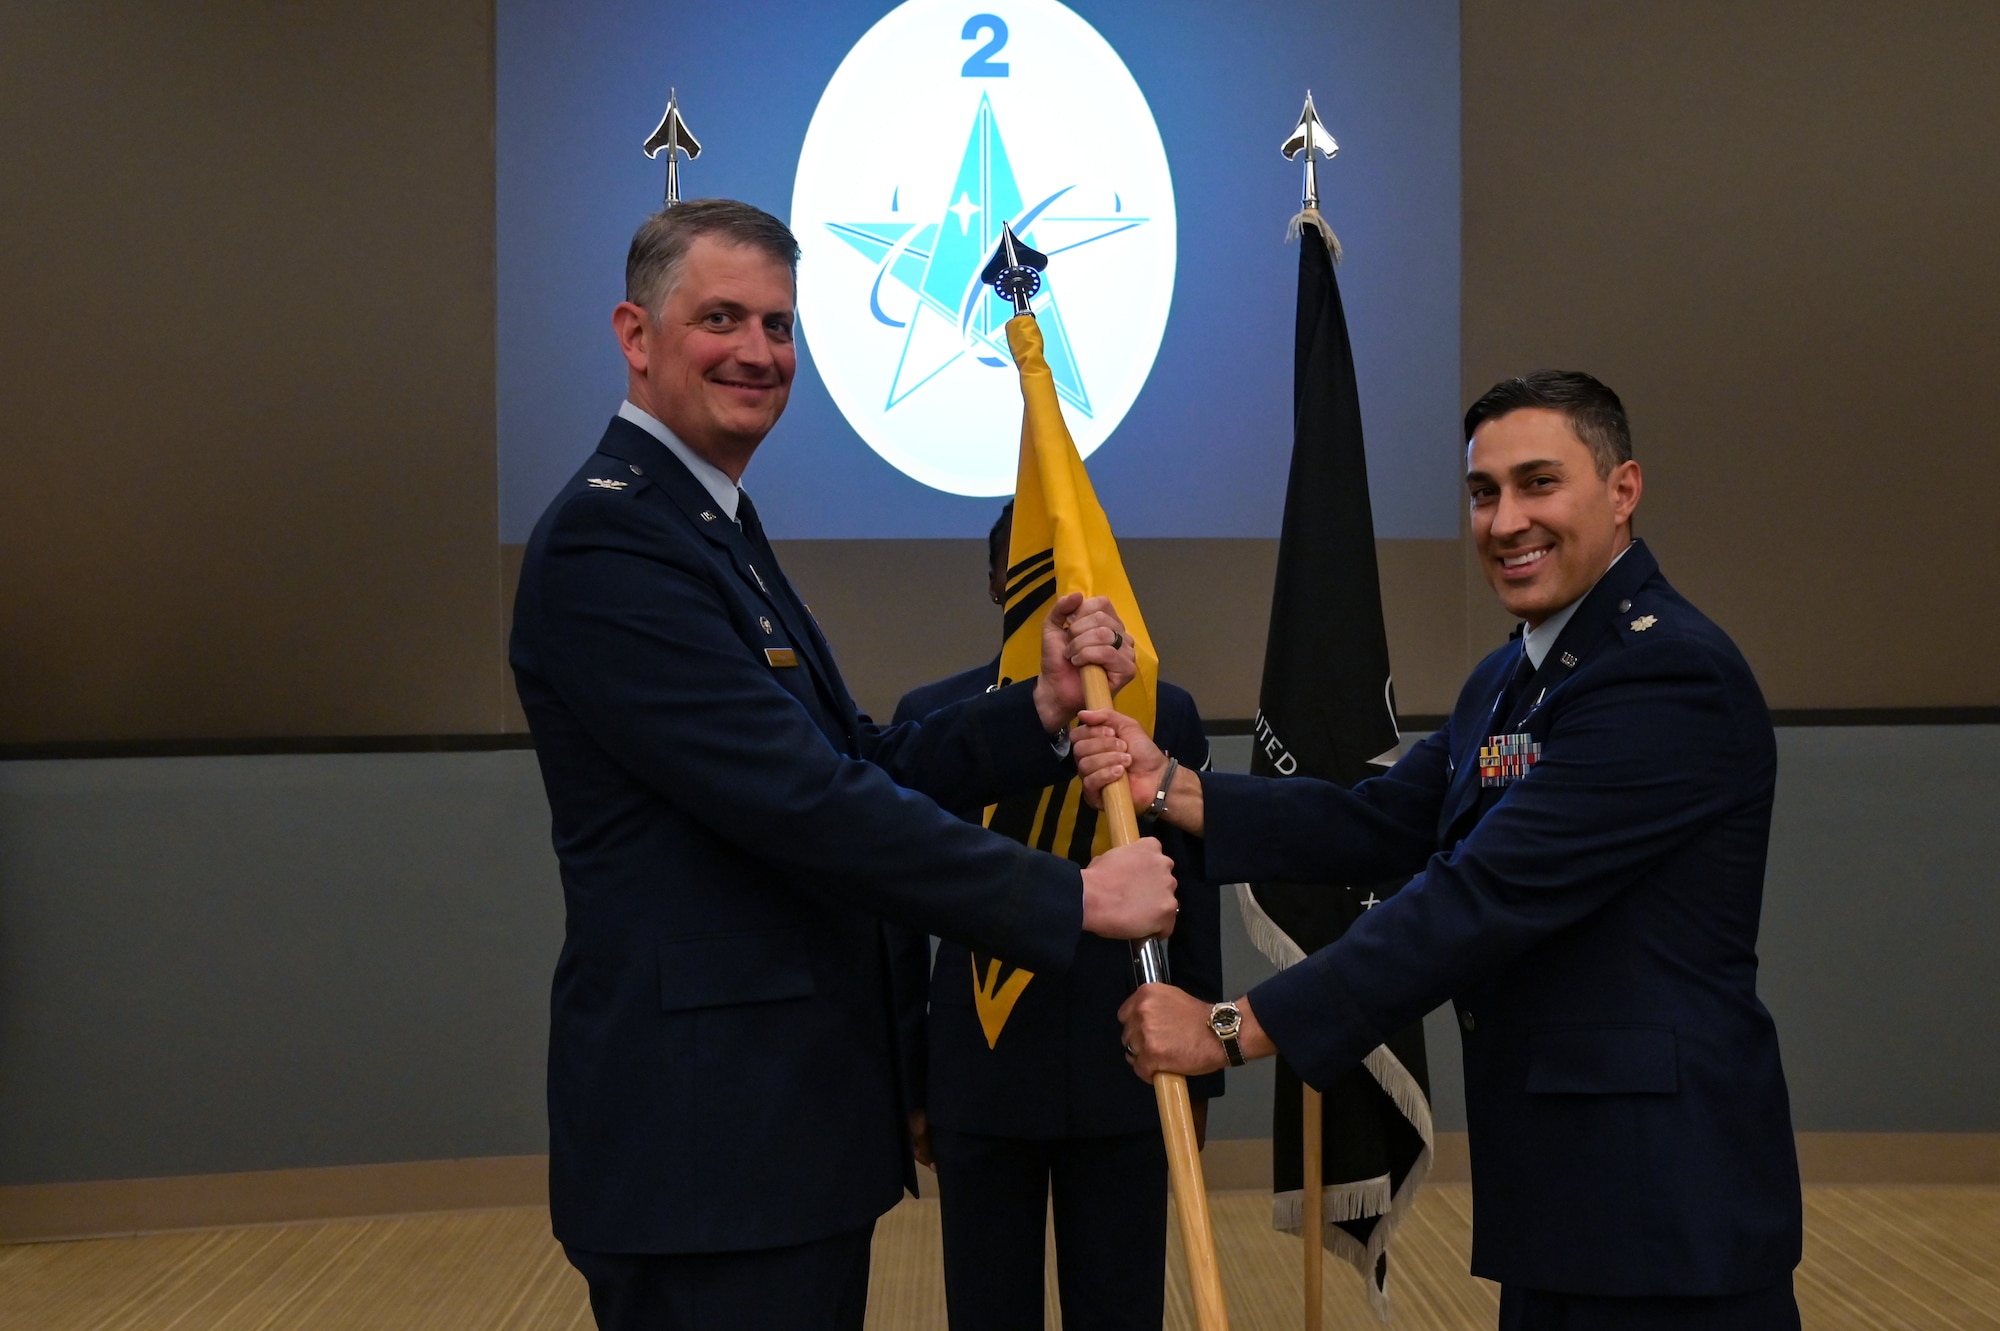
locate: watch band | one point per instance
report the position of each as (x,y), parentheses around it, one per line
(1159,804)
(1227,1023)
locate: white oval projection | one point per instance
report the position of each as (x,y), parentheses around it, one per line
(945,120)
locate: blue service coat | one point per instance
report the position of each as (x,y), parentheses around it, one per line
(1058,1068)
(1595,922)
(731,833)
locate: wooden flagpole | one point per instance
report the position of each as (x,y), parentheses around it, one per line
(1170,1089)
(1312,1215)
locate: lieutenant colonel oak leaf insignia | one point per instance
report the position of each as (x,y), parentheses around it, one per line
(1643,622)
(994,998)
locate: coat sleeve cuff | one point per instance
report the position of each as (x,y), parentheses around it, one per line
(1017,752)
(1314,1020)
(1045,918)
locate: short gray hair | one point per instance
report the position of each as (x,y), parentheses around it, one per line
(660,245)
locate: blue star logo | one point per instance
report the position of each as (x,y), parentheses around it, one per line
(939,262)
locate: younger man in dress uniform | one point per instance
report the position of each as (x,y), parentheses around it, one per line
(1588,832)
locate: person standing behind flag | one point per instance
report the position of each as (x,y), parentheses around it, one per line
(1589,832)
(1027,1096)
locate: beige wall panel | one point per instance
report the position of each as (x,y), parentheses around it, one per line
(1423,605)
(247,481)
(1208,604)
(1770,228)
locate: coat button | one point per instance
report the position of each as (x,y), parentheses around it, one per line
(636,470)
(1623,606)
(1465,1020)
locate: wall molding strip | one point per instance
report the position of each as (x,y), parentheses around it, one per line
(1415,723)
(265,747)
(1423,722)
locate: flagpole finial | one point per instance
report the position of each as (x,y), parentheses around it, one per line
(1310,139)
(1014,271)
(1310,136)
(672,138)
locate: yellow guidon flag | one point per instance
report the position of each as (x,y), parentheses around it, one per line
(1062,543)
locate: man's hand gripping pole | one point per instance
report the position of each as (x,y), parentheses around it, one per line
(1149,961)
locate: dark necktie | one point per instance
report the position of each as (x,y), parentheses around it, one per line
(746,518)
(1512,696)
(805,634)
(767,558)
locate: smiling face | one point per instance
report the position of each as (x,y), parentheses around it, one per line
(716,367)
(1546,524)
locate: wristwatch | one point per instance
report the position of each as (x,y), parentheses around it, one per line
(1226,1021)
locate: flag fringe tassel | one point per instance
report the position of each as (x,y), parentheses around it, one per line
(1364,1258)
(1311,215)
(1367,1197)
(1340,1201)
(1276,945)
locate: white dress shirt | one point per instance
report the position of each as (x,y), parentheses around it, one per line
(712,477)
(1538,640)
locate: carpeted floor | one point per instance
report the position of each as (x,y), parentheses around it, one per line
(1877,1259)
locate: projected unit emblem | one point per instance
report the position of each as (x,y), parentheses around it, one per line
(943,122)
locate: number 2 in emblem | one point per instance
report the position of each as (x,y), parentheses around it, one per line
(982,65)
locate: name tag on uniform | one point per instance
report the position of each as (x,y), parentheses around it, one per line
(1505,759)
(781,656)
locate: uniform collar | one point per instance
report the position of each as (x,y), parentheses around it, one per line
(712,478)
(659,465)
(1538,640)
(1586,623)
(1585,619)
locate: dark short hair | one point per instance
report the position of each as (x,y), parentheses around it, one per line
(660,245)
(996,537)
(1594,413)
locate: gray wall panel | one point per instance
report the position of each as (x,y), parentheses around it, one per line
(216,964)
(1880,919)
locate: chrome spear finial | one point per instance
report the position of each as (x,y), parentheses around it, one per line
(1310,136)
(672,138)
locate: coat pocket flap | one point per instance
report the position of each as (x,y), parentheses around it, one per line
(714,970)
(1602,1060)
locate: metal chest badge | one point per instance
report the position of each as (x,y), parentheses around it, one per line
(1505,759)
